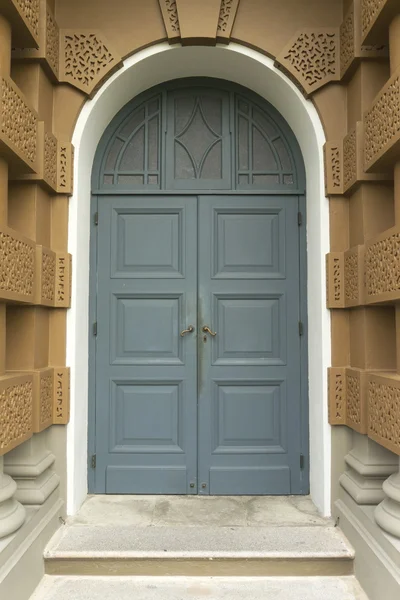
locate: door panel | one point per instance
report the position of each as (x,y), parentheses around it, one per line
(146,379)
(249,390)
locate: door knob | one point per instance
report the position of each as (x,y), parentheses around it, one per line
(190,329)
(206,329)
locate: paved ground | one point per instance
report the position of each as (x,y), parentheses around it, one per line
(199,511)
(194,588)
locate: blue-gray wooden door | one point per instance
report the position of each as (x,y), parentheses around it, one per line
(249,372)
(146,379)
(198,413)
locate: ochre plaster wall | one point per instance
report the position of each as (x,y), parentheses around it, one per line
(337,52)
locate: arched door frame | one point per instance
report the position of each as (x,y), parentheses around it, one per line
(160,63)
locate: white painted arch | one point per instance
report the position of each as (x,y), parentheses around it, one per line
(255,71)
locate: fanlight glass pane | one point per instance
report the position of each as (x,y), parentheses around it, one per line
(113,154)
(131,180)
(266,179)
(183,112)
(283,154)
(212,166)
(153,144)
(184,168)
(132,123)
(243,134)
(263,157)
(133,157)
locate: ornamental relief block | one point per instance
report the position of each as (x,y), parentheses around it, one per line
(382,127)
(61,400)
(23,16)
(18,128)
(226,19)
(333,158)
(16,409)
(337,395)
(169,12)
(356,400)
(17,267)
(46,276)
(86,59)
(354,276)
(382,267)
(63,280)
(312,58)
(48,51)
(335,280)
(384,410)
(43,399)
(376,16)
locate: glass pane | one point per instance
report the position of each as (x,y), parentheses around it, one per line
(243,107)
(263,158)
(129,180)
(265,124)
(113,155)
(212,111)
(153,107)
(265,180)
(133,157)
(153,180)
(283,155)
(108,179)
(243,180)
(132,123)
(183,165)
(197,138)
(288,180)
(183,111)
(212,166)
(153,144)
(243,133)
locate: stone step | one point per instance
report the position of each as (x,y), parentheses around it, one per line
(199,551)
(198,588)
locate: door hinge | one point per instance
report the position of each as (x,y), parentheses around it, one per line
(93,461)
(301,328)
(299,219)
(301,462)
(95,328)
(96,218)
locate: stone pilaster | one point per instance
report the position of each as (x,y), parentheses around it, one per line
(31,465)
(368,465)
(12,513)
(387,513)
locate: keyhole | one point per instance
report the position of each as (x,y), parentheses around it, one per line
(205,338)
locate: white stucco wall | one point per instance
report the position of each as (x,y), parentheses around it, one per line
(257,72)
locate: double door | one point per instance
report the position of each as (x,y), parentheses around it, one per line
(197,359)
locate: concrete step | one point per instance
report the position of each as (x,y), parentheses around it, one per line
(198,588)
(199,551)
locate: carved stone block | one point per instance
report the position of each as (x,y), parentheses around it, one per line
(351,47)
(169,12)
(65,168)
(356,400)
(382,128)
(17,267)
(61,401)
(383,391)
(382,267)
(375,18)
(333,154)
(226,20)
(16,409)
(63,280)
(18,128)
(43,398)
(335,280)
(48,52)
(198,22)
(312,58)
(354,276)
(24,18)
(45,277)
(86,59)
(337,395)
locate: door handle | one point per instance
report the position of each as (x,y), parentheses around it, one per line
(190,329)
(206,329)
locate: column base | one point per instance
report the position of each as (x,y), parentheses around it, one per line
(12,513)
(387,514)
